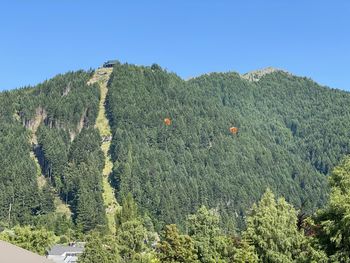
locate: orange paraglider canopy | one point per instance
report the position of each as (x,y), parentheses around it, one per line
(167,121)
(234,130)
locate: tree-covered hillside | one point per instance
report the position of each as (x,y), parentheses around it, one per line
(291,133)
(51,119)
(191,160)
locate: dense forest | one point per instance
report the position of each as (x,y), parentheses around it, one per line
(275,232)
(291,133)
(218,168)
(55,121)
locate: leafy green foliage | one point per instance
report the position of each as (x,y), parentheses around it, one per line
(333,221)
(204,229)
(244,252)
(36,240)
(272,229)
(132,236)
(100,249)
(60,224)
(176,247)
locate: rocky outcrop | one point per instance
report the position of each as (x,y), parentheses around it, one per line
(33,124)
(66,90)
(256,75)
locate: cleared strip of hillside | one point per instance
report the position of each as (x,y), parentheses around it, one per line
(101,76)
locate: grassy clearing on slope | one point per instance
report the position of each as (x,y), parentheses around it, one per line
(102,124)
(108,192)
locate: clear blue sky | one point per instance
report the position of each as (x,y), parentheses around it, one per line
(40,39)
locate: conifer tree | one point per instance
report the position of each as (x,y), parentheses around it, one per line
(128,212)
(333,221)
(272,230)
(131,234)
(100,249)
(244,252)
(204,229)
(176,248)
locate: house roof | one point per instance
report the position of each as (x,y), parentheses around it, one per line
(110,62)
(14,254)
(58,250)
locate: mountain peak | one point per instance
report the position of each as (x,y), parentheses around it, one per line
(256,75)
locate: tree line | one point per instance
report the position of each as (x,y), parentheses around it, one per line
(275,232)
(60,114)
(291,132)
(169,178)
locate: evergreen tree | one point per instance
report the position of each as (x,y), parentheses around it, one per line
(333,221)
(89,211)
(244,252)
(272,230)
(204,229)
(46,204)
(100,249)
(131,239)
(128,212)
(176,248)
(132,236)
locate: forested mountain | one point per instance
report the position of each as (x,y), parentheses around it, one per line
(217,141)
(53,120)
(291,132)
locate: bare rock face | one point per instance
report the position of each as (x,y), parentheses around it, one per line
(256,75)
(66,90)
(33,124)
(41,117)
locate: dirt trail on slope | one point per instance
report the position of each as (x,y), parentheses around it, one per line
(101,76)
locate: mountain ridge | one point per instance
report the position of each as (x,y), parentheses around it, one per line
(256,75)
(284,142)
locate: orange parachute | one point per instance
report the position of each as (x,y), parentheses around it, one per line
(167,121)
(234,130)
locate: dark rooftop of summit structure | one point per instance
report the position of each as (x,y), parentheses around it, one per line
(110,63)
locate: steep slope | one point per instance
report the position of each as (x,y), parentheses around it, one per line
(285,141)
(291,132)
(61,208)
(101,77)
(49,119)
